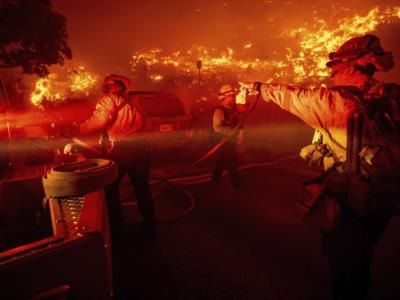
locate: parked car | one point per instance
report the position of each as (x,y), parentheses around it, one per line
(167,119)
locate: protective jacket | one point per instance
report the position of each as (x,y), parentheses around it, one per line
(359,125)
(225,119)
(115,115)
(328,109)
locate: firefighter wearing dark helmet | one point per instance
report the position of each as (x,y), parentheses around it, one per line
(119,124)
(358,119)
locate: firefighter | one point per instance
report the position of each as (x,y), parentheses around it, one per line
(119,124)
(226,124)
(359,156)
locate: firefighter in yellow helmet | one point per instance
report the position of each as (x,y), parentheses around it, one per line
(358,120)
(119,123)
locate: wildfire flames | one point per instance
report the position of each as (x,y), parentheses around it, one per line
(311,60)
(213,61)
(81,80)
(306,64)
(53,89)
(45,91)
(303,63)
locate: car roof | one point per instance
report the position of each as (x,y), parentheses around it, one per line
(177,108)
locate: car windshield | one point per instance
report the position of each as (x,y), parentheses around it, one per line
(161,106)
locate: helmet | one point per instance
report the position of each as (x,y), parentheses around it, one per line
(111,79)
(362,51)
(225,90)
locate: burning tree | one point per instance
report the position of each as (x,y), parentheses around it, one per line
(32,36)
(56,88)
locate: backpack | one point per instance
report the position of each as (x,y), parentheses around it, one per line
(373,143)
(372,165)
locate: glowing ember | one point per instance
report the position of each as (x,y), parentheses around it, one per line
(157,77)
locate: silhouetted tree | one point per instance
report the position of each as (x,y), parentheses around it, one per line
(32,36)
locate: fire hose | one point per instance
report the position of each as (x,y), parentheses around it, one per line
(88,175)
(228,137)
(160,182)
(79,177)
(206,177)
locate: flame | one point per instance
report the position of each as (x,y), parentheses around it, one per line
(157,77)
(213,62)
(54,89)
(306,64)
(81,80)
(45,91)
(311,61)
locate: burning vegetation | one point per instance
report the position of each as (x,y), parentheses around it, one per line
(307,63)
(56,88)
(303,63)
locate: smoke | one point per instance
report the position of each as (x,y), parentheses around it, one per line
(389,34)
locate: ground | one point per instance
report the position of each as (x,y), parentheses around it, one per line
(248,243)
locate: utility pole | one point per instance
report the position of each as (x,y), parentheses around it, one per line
(4,92)
(8,103)
(199,65)
(5,157)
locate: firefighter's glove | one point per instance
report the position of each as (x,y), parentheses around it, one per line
(314,154)
(71,148)
(253,88)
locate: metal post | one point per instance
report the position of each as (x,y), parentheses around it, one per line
(199,65)
(5,92)
(8,106)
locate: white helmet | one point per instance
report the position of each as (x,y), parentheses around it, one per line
(225,90)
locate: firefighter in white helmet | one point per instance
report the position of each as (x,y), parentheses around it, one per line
(226,124)
(358,121)
(119,123)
